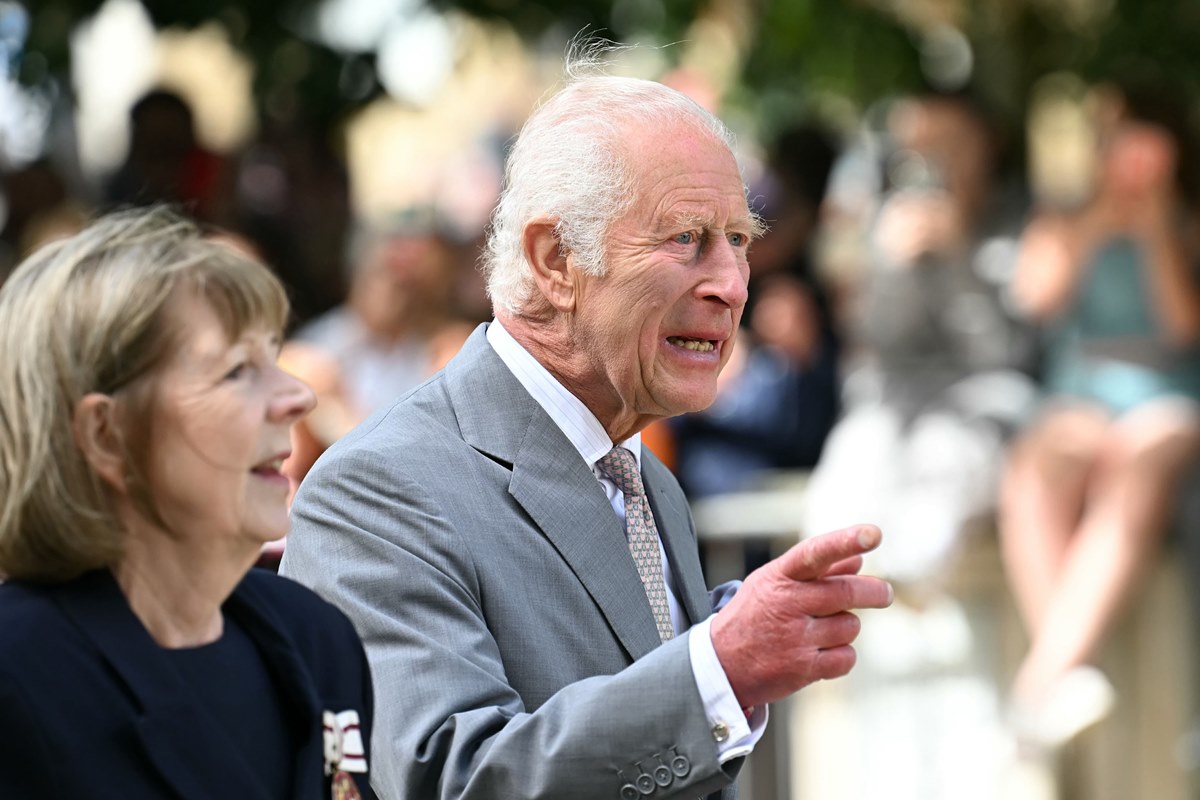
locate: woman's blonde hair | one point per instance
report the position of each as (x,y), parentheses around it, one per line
(91,313)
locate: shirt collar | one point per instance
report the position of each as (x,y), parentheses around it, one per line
(567,411)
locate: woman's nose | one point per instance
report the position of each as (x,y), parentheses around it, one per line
(293,399)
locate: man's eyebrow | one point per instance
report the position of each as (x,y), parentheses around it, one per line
(751,223)
(687,220)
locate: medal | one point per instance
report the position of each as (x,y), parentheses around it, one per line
(344,753)
(343,787)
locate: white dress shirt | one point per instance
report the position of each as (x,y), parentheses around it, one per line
(588,436)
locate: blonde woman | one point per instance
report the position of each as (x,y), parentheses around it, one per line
(143,420)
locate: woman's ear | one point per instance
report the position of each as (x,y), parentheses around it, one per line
(98,437)
(549,261)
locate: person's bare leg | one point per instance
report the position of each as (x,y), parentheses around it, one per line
(1128,507)
(1041,503)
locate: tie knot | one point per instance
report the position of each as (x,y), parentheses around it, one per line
(621,468)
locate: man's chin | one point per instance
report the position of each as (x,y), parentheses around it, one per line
(689,402)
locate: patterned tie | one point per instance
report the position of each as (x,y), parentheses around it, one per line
(621,468)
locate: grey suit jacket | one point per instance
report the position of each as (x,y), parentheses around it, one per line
(513,649)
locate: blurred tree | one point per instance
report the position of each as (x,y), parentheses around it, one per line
(795,51)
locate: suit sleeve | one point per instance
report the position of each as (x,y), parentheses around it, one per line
(447,722)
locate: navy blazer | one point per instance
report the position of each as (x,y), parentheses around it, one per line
(90,705)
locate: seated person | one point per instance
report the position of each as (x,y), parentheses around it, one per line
(1091,483)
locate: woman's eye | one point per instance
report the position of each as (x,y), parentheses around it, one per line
(236,372)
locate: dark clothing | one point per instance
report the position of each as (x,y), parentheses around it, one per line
(233,683)
(774,416)
(91,706)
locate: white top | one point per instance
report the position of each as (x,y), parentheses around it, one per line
(588,436)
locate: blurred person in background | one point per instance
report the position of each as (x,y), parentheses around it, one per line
(143,420)
(37,208)
(395,329)
(937,366)
(166,162)
(293,201)
(778,396)
(1091,483)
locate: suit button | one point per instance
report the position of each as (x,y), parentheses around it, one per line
(629,792)
(681,766)
(645,783)
(663,776)
(720,732)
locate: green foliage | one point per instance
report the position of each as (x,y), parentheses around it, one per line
(807,49)
(803,49)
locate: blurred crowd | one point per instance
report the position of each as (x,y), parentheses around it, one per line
(941,349)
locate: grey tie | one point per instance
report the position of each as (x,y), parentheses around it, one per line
(621,468)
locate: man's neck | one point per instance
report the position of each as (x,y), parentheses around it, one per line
(551,347)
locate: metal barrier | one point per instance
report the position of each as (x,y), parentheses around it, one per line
(726,526)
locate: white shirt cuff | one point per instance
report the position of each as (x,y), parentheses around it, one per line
(734,735)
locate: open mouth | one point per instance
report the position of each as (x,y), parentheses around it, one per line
(271,468)
(697,345)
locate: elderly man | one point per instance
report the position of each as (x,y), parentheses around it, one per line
(523,574)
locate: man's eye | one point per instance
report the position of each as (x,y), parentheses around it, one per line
(236,372)
(738,239)
(688,237)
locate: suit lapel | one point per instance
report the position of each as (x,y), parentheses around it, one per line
(678,537)
(549,477)
(172,728)
(553,485)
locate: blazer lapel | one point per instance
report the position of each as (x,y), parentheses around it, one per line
(294,681)
(678,537)
(172,728)
(549,478)
(553,485)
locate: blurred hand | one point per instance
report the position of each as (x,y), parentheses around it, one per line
(914,224)
(790,624)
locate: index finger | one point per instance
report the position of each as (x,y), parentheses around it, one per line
(813,557)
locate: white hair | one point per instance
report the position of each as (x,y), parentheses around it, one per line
(568,163)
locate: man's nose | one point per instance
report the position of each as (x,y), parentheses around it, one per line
(726,275)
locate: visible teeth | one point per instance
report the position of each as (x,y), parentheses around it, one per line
(699,345)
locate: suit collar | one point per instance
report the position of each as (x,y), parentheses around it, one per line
(172,727)
(498,417)
(491,407)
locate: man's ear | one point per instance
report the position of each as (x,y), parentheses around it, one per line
(548,259)
(98,437)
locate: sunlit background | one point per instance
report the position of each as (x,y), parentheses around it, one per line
(409,104)
(433,77)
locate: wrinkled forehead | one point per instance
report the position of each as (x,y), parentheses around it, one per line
(686,176)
